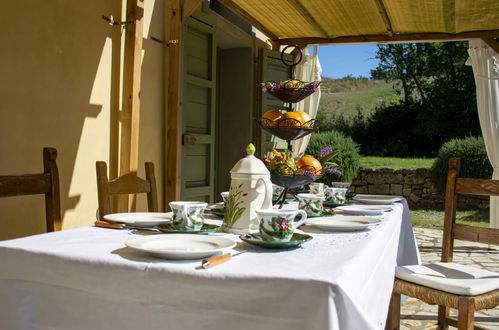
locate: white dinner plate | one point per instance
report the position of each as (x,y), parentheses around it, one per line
(377,199)
(140,219)
(363,209)
(180,246)
(343,223)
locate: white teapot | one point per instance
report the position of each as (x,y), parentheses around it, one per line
(250,190)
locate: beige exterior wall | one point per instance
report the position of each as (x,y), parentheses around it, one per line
(59,87)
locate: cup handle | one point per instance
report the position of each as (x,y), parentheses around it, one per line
(303,218)
(267,202)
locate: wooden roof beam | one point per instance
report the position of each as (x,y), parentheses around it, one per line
(384,38)
(493,43)
(130,116)
(189,6)
(309,17)
(384,16)
(241,12)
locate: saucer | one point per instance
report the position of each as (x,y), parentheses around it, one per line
(333,204)
(170,229)
(256,239)
(323,214)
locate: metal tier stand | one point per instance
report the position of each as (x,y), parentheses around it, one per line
(289,130)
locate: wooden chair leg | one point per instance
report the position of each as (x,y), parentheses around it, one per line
(466,313)
(443,314)
(393,317)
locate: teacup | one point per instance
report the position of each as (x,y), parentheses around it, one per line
(279,225)
(340,184)
(316,188)
(188,215)
(336,195)
(312,204)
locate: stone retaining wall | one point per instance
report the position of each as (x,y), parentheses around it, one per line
(414,185)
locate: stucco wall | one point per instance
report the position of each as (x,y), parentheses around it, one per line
(59,87)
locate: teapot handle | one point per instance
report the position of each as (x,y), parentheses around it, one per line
(267,202)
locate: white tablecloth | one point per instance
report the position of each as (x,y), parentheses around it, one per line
(86,278)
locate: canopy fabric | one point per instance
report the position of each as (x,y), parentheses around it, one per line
(329,19)
(485,63)
(309,69)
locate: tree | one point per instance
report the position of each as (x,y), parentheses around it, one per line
(438,90)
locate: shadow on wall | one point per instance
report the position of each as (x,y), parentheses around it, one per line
(58,62)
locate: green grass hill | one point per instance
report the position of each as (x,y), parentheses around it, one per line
(348,95)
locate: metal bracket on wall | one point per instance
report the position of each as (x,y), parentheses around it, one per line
(112,22)
(166,43)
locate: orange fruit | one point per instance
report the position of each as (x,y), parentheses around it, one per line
(305,118)
(294,119)
(271,117)
(310,164)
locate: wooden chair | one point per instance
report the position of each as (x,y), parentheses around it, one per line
(129,183)
(448,284)
(46,183)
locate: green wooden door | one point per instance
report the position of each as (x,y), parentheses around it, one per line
(270,67)
(198,109)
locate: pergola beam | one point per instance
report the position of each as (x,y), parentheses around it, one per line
(241,12)
(173,94)
(309,17)
(130,114)
(384,38)
(189,6)
(493,43)
(384,16)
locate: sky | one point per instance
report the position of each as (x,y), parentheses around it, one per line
(341,61)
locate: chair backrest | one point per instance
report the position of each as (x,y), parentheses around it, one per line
(46,183)
(465,186)
(128,183)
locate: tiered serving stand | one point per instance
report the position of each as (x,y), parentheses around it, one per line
(290,129)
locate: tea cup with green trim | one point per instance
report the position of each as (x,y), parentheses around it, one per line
(336,195)
(188,215)
(311,203)
(279,225)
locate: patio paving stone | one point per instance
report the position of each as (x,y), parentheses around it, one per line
(417,315)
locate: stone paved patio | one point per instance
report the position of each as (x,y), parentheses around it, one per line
(417,315)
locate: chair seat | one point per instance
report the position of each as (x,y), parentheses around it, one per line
(450,277)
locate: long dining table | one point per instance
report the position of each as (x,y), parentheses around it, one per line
(86,278)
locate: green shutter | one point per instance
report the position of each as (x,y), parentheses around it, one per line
(198,108)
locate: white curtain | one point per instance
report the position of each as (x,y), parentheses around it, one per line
(309,69)
(485,63)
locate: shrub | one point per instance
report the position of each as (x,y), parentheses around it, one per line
(474,160)
(348,159)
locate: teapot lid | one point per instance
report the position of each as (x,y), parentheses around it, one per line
(250,164)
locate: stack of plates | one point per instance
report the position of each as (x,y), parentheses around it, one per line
(364,209)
